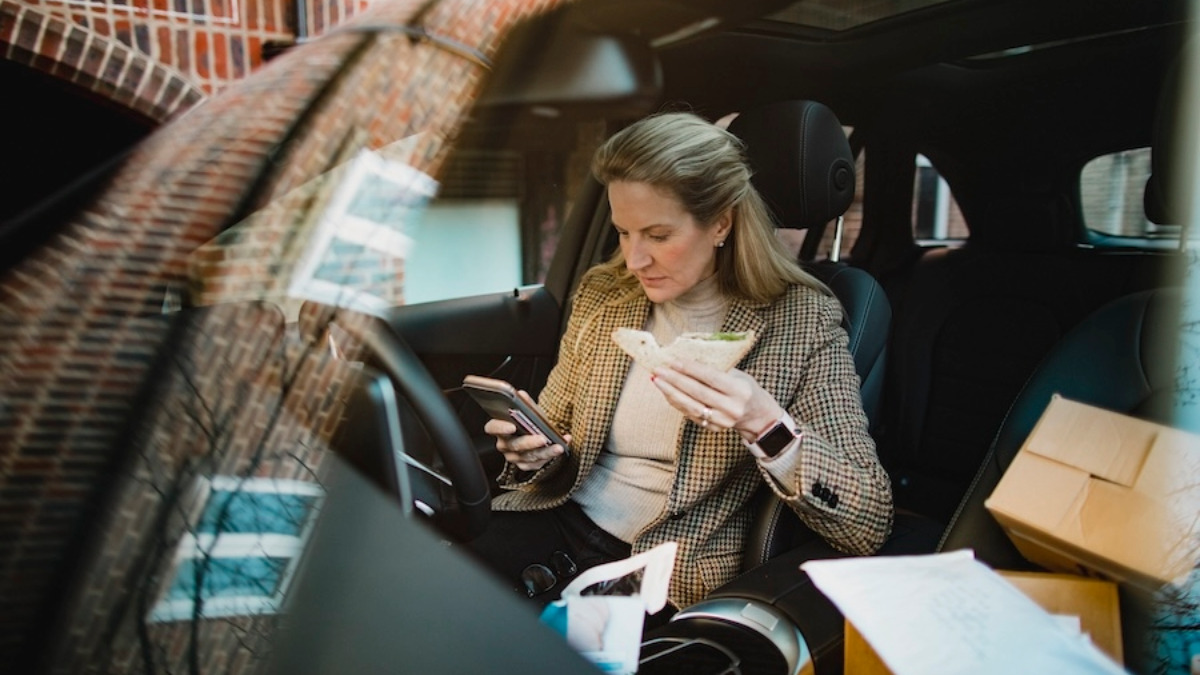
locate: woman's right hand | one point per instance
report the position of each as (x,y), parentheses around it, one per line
(528,452)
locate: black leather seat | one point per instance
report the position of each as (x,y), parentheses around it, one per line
(804,169)
(1123,357)
(1119,358)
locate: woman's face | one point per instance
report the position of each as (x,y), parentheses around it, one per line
(662,243)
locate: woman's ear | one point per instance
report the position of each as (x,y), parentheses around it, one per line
(722,228)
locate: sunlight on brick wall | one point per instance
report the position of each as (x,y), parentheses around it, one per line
(84,331)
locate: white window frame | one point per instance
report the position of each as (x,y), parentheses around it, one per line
(198,546)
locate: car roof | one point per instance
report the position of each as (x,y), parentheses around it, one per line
(940,45)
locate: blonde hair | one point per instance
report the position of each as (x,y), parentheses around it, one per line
(705,167)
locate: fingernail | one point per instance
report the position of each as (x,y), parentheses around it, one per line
(653,377)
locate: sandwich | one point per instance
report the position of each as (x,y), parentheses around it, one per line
(719,350)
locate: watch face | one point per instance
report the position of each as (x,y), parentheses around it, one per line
(774,441)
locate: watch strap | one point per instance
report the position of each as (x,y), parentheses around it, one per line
(776,438)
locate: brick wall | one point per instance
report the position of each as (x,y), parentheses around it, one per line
(91,468)
(158,57)
(95,59)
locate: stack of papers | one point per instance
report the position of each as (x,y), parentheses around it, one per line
(948,613)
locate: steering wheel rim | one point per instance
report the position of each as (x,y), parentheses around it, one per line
(392,354)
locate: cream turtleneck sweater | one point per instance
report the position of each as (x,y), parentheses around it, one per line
(627,488)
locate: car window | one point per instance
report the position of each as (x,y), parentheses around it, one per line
(494,223)
(1110,196)
(936,217)
(470,236)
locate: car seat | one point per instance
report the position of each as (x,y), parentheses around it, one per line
(804,169)
(1123,357)
(1119,357)
(973,321)
(1115,359)
(776,621)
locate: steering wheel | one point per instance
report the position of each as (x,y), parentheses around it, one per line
(468,517)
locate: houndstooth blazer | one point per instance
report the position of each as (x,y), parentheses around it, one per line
(800,357)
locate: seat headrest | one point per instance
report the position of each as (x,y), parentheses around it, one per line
(802,163)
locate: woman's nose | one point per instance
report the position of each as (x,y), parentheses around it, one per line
(636,257)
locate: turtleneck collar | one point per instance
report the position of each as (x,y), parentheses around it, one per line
(706,294)
(701,309)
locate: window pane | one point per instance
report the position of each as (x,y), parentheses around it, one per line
(1110,193)
(465,247)
(357,266)
(504,193)
(228,577)
(255,512)
(936,216)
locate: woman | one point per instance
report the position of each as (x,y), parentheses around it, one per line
(675,454)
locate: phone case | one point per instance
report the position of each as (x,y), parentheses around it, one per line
(500,400)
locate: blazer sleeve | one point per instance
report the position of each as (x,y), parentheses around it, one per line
(558,397)
(832,478)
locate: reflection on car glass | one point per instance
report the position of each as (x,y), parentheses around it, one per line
(341,239)
(238,557)
(356,254)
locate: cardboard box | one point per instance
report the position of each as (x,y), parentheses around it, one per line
(1092,600)
(1102,494)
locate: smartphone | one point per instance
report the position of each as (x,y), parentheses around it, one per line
(500,400)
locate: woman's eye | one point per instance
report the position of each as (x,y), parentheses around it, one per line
(658,237)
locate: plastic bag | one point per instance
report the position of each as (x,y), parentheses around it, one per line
(602,610)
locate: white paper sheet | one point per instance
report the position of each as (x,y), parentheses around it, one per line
(948,613)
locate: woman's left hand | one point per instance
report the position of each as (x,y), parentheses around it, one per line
(718,400)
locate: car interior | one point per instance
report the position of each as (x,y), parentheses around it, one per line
(958,343)
(925,157)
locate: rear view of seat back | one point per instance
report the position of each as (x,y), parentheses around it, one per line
(1120,358)
(970,328)
(974,323)
(1130,357)
(804,169)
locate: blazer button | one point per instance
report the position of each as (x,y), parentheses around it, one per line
(678,515)
(817,489)
(833,500)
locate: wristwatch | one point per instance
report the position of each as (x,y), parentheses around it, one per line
(777,437)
